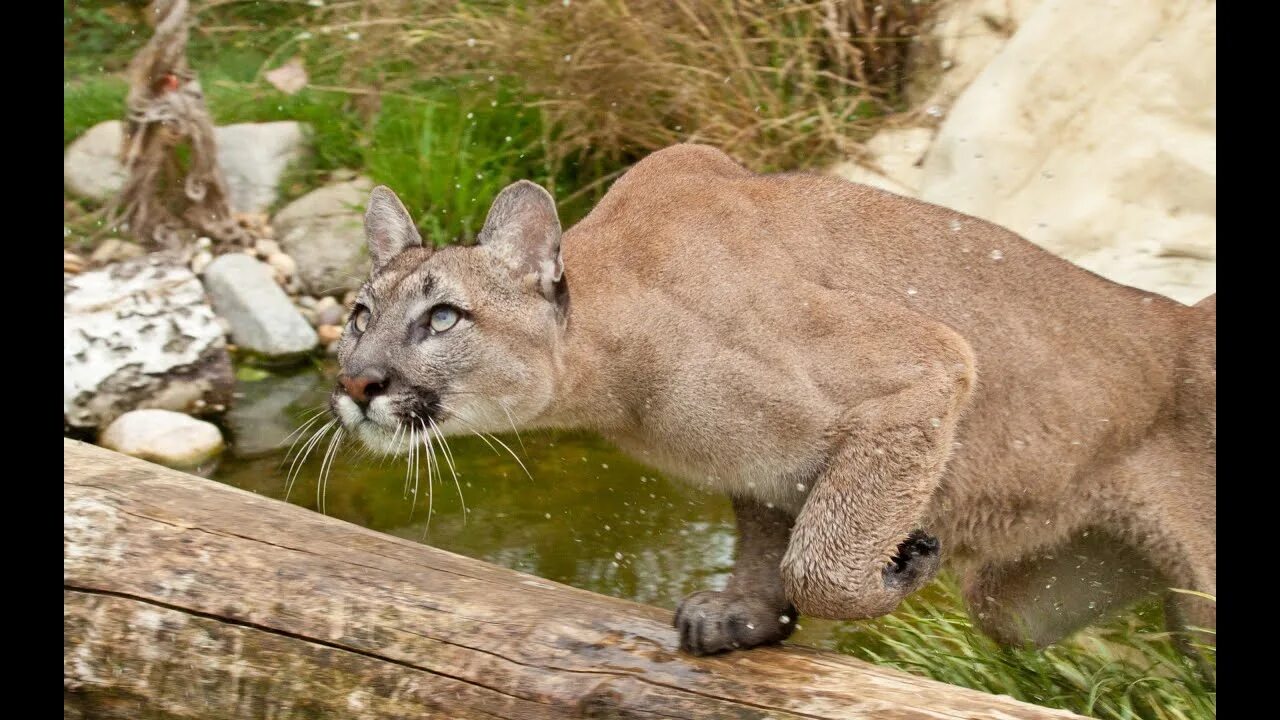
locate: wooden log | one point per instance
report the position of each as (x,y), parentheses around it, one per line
(186,598)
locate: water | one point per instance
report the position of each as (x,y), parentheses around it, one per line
(590,516)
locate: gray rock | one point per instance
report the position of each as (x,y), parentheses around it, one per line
(267,415)
(164,437)
(263,319)
(140,334)
(91,165)
(324,232)
(253,157)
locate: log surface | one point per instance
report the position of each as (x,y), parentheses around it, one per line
(186,598)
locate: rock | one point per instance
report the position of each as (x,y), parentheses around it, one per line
(267,415)
(324,232)
(253,157)
(164,437)
(306,301)
(114,250)
(204,243)
(91,166)
(72,263)
(263,319)
(266,248)
(329,333)
(896,159)
(284,265)
(327,311)
(1109,164)
(201,261)
(140,334)
(969,34)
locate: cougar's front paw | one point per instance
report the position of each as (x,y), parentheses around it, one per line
(914,564)
(713,621)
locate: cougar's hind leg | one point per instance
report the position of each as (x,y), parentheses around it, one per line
(1046,597)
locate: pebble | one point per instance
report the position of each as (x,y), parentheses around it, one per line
(267,248)
(114,250)
(327,311)
(284,265)
(329,333)
(164,437)
(201,261)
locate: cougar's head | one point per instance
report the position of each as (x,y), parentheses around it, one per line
(462,338)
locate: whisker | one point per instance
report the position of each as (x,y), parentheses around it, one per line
(326,466)
(300,459)
(408,467)
(299,433)
(448,456)
(512,420)
(472,428)
(431,495)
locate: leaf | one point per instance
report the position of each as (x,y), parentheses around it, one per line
(289,78)
(246,373)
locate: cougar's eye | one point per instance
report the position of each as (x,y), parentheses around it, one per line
(443,317)
(360,318)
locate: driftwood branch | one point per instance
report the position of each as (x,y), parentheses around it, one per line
(165,110)
(185,598)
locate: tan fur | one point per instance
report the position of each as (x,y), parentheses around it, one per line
(864,363)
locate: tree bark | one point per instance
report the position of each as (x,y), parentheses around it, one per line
(166,109)
(186,598)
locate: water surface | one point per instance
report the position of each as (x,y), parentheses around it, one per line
(585,514)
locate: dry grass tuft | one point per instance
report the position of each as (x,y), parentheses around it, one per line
(777,84)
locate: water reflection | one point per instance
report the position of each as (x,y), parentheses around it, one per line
(590,517)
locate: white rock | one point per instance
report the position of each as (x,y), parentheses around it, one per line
(164,437)
(969,34)
(139,334)
(253,158)
(897,155)
(324,232)
(1093,134)
(263,319)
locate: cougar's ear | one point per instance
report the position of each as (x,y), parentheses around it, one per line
(388,228)
(523,230)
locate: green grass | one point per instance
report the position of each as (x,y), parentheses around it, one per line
(446,146)
(1123,670)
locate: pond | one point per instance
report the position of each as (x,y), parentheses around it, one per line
(585,514)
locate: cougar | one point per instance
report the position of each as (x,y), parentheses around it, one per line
(875,382)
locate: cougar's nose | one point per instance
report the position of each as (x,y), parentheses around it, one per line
(365,386)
